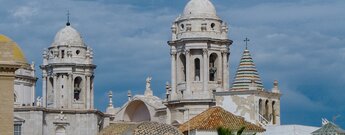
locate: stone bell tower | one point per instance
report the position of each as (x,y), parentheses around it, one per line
(199,60)
(68,72)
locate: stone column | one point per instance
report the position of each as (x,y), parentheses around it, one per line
(56,100)
(87,92)
(220,69)
(225,70)
(205,69)
(44,90)
(92,93)
(70,90)
(188,77)
(71,95)
(6,96)
(173,74)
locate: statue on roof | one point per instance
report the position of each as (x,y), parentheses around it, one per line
(148,90)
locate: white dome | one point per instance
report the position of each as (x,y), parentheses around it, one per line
(199,8)
(68,36)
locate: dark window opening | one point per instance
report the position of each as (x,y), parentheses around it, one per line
(212,66)
(77,88)
(197,69)
(62,54)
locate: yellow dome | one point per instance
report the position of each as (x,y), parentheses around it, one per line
(6,44)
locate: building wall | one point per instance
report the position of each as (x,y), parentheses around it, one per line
(248,106)
(41,122)
(6,96)
(33,124)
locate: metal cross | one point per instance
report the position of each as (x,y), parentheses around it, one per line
(246,40)
(68,14)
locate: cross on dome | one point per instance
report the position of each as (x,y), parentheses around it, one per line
(246,40)
(68,14)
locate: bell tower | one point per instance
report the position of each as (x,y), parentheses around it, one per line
(199,49)
(68,72)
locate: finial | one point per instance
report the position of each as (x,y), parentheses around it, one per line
(129,94)
(275,87)
(68,14)
(246,40)
(110,94)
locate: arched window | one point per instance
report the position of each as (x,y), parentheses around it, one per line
(77,87)
(273,113)
(183,67)
(197,69)
(266,111)
(60,131)
(213,66)
(260,106)
(51,82)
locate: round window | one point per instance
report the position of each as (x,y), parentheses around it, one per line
(77,52)
(212,25)
(182,26)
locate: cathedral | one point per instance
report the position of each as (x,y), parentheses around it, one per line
(200,79)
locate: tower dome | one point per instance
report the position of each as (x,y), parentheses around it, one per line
(68,36)
(17,54)
(200,8)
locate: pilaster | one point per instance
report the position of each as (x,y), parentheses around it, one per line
(188,74)
(44,90)
(55,91)
(205,69)
(173,74)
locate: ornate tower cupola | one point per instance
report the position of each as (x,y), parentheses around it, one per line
(199,51)
(199,54)
(68,72)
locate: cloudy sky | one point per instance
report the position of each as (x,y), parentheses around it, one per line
(300,43)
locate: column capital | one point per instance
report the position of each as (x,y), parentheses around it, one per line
(224,51)
(186,51)
(173,52)
(204,51)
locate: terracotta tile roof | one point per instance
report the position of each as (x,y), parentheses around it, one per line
(215,117)
(143,128)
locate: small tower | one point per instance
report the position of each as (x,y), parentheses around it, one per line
(249,98)
(129,95)
(199,49)
(68,72)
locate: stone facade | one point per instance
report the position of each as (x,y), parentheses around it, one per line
(43,121)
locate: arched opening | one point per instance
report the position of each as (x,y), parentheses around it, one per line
(15,97)
(213,66)
(183,67)
(260,106)
(197,69)
(273,113)
(60,131)
(51,84)
(266,110)
(137,111)
(50,91)
(77,87)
